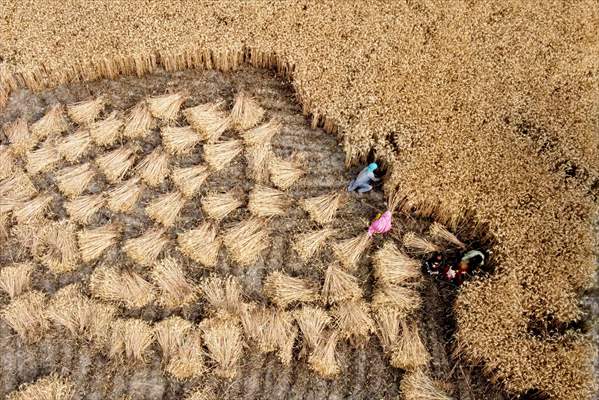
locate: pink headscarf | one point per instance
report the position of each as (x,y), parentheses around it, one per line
(381,224)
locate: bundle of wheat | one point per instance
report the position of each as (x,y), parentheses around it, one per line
(57,247)
(50,387)
(145,249)
(416,385)
(115,164)
(32,210)
(86,112)
(208,120)
(252,318)
(201,244)
(222,295)
(188,361)
(27,315)
(19,137)
(52,123)
(7,162)
(323,360)
(409,352)
(70,309)
(42,159)
(107,131)
(154,168)
(246,112)
(165,208)
(218,205)
(277,334)
(438,231)
(93,242)
(175,289)
(307,245)
(15,279)
(189,179)
(179,140)
(353,321)
(125,288)
(267,202)
(203,393)
(312,321)
(322,209)
(262,134)
(170,335)
(419,245)
(124,197)
(247,240)
(283,174)
(166,107)
(72,181)
(404,299)
(131,339)
(139,123)
(283,289)
(15,190)
(258,157)
(219,155)
(392,266)
(100,322)
(387,323)
(74,146)
(82,209)
(224,341)
(349,251)
(339,286)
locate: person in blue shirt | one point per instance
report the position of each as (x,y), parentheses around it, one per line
(362,182)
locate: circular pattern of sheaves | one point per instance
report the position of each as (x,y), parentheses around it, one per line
(121,193)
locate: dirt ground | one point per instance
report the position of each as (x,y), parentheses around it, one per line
(365,374)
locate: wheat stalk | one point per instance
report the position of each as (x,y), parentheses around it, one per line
(100,322)
(262,134)
(42,159)
(201,244)
(283,174)
(82,209)
(85,112)
(405,299)
(308,244)
(437,230)
(7,162)
(53,123)
(57,247)
(323,359)
(225,345)
(154,168)
(277,334)
(32,210)
(179,140)
(218,205)
(70,309)
(219,155)
(416,385)
(339,286)
(74,146)
(93,242)
(353,321)
(131,339)
(222,295)
(312,321)
(139,123)
(349,251)
(107,131)
(387,324)
(72,181)
(175,289)
(27,315)
(165,208)
(188,361)
(170,335)
(419,245)
(15,279)
(189,179)
(267,202)
(322,209)
(124,197)
(115,164)
(50,387)
(145,249)
(258,157)
(391,266)
(409,352)
(208,120)
(284,290)
(126,288)
(166,107)
(246,240)
(246,112)
(20,139)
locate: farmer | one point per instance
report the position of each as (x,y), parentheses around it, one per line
(362,182)
(470,261)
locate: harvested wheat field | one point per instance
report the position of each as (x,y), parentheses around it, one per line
(174,218)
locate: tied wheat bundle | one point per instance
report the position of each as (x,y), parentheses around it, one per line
(224,341)
(154,168)
(93,242)
(189,179)
(15,279)
(72,181)
(82,209)
(51,387)
(277,334)
(115,164)
(175,289)
(188,362)
(127,288)
(392,266)
(416,385)
(252,320)
(262,134)
(246,240)
(107,131)
(219,155)
(322,209)
(131,340)
(86,112)
(353,321)
(349,251)
(100,323)
(201,244)
(208,120)
(284,290)
(15,190)
(419,245)
(218,205)
(145,249)
(7,162)
(339,286)
(32,210)
(170,335)
(409,353)
(222,295)
(308,245)
(27,316)
(42,159)
(57,247)
(53,123)
(20,139)
(258,157)
(438,231)
(312,322)
(387,322)
(283,174)
(124,197)
(323,359)
(70,309)
(267,202)
(246,112)
(166,107)
(179,140)
(74,146)
(405,299)
(165,208)
(139,123)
